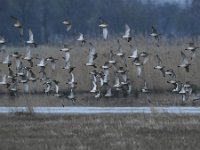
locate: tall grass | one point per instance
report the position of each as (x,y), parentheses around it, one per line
(169,52)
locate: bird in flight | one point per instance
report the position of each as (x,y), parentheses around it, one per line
(67,24)
(127,34)
(17,24)
(104,27)
(31,39)
(155,35)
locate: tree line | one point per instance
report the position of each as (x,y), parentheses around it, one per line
(45,18)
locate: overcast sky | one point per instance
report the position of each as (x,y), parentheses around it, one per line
(181,2)
(177,1)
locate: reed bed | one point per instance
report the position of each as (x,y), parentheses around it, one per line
(169,51)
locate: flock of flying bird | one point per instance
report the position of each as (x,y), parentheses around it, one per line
(100,76)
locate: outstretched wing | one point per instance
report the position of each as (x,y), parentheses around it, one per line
(184,58)
(153,29)
(80,38)
(158,60)
(105,33)
(191,44)
(15,19)
(30,35)
(127,30)
(134,52)
(139,70)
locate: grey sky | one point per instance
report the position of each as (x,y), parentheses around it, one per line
(181,2)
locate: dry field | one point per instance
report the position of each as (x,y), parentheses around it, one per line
(140,132)
(169,51)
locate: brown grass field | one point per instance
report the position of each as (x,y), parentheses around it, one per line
(131,131)
(139,132)
(169,51)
